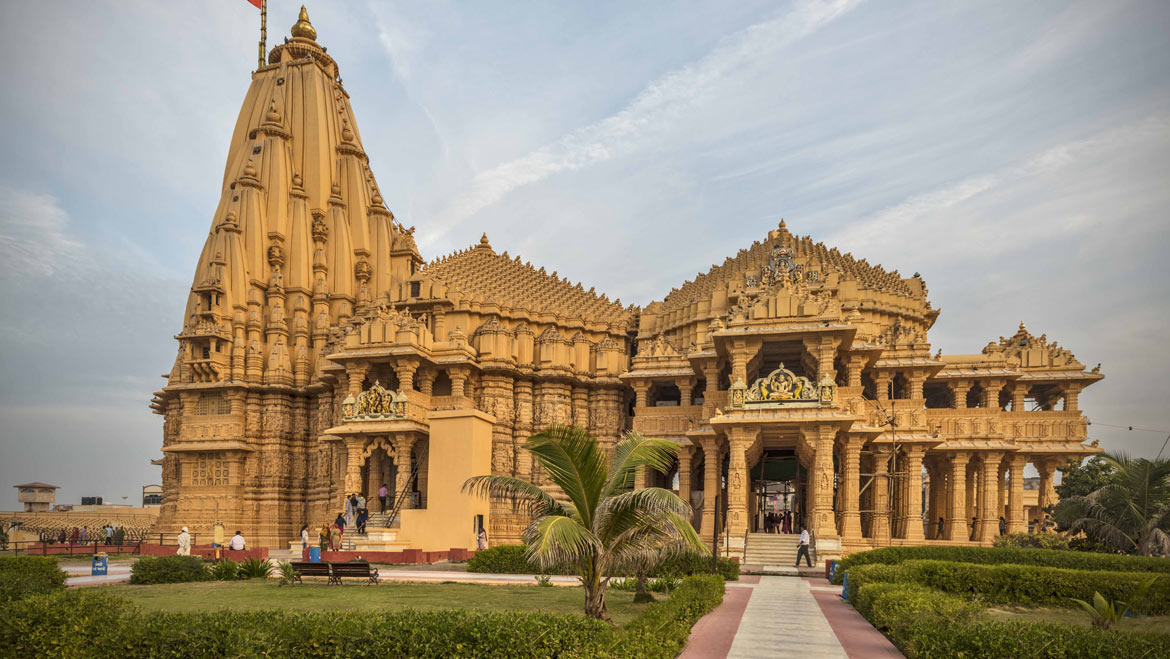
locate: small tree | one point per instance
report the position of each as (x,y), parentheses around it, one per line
(1129,514)
(606,526)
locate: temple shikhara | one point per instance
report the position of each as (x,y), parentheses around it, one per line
(320,355)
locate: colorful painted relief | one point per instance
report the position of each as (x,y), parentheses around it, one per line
(782,387)
(377,402)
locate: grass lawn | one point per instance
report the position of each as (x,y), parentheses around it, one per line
(262,595)
(1158,624)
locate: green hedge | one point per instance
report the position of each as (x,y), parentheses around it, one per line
(1075,560)
(1032,541)
(510,559)
(1018,584)
(168,569)
(93,623)
(926,623)
(21,576)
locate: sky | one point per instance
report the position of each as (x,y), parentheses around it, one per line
(1017,155)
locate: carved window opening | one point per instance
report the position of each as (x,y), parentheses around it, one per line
(698,392)
(724,376)
(415,288)
(206,352)
(789,353)
(938,395)
(868,386)
(900,387)
(842,372)
(212,403)
(975,395)
(442,384)
(663,394)
(209,469)
(1005,398)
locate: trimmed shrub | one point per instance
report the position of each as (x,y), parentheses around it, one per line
(167,569)
(21,576)
(91,623)
(1074,560)
(1017,584)
(255,568)
(1032,541)
(1020,640)
(509,559)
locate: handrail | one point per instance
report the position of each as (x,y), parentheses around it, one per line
(401,497)
(812,542)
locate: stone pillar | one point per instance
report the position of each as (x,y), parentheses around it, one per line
(711,485)
(1071,393)
(850,527)
(1001,487)
(523,428)
(685,385)
(402,478)
(641,389)
(1019,391)
(823,521)
(580,402)
(991,389)
(960,388)
(988,524)
(956,523)
(1044,497)
(914,531)
(880,526)
(684,473)
(405,369)
(738,477)
(353,465)
(426,380)
(917,381)
(458,381)
(853,370)
(882,384)
(1017,523)
(373,476)
(641,476)
(355,374)
(972,498)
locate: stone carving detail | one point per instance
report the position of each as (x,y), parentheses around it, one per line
(377,402)
(782,387)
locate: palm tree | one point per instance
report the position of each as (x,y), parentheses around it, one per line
(606,526)
(1131,513)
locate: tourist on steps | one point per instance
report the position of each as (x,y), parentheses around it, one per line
(305,536)
(383,493)
(324,536)
(362,516)
(802,549)
(237,542)
(184,540)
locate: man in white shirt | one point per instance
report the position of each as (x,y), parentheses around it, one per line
(802,550)
(237,542)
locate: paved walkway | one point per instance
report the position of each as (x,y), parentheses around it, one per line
(80,576)
(775,616)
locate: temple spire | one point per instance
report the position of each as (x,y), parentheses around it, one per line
(303,28)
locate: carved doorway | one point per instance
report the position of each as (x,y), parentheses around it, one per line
(778,486)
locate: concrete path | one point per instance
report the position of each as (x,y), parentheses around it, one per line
(79,576)
(782,619)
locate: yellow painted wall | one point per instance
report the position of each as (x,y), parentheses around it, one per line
(460,447)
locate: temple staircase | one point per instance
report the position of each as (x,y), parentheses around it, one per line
(771,549)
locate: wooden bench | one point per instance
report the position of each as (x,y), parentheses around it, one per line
(357,570)
(311,570)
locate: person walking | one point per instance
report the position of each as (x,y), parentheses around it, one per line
(74,536)
(481,539)
(939,534)
(802,548)
(305,536)
(383,493)
(109,533)
(362,516)
(324,536)
(61,537)
(184,543)
(350,511)
(1002,525)
(84,534)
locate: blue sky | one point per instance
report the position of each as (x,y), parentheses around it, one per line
(1015,154)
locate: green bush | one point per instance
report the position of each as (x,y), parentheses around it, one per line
(1075,560)
(1017,584)
(509,559)
(167,569)
(1020,640)
(1032,541)
(255,568)
(224,570)
(21,576)
(92,623)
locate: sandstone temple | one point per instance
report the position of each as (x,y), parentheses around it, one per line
(320,354)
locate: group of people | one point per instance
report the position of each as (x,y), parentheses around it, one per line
(778,522)
(237,542)
(110,534)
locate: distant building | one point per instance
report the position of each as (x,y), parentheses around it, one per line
(36,497)
(151,495)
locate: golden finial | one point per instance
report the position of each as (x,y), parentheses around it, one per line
(303,28)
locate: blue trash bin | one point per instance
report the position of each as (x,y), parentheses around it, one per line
(101,565)
(314,554)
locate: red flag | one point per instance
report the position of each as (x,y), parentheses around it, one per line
(255,2)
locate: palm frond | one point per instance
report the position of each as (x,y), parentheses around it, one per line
(524,496)
(575,462)
(556,540)
(634,451)
(618,512)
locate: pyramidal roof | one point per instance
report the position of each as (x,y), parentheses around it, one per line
(481,271)
(299,205)
(819,257)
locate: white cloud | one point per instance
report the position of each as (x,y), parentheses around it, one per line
(652,109)
(34,233)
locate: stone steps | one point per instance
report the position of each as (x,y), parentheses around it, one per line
(771,549)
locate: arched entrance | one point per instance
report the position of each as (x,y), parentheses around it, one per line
(778,485)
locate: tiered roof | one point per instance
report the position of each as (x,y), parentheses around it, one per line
(479,271)
(827,260)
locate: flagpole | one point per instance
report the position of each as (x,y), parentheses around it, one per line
(263,30)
